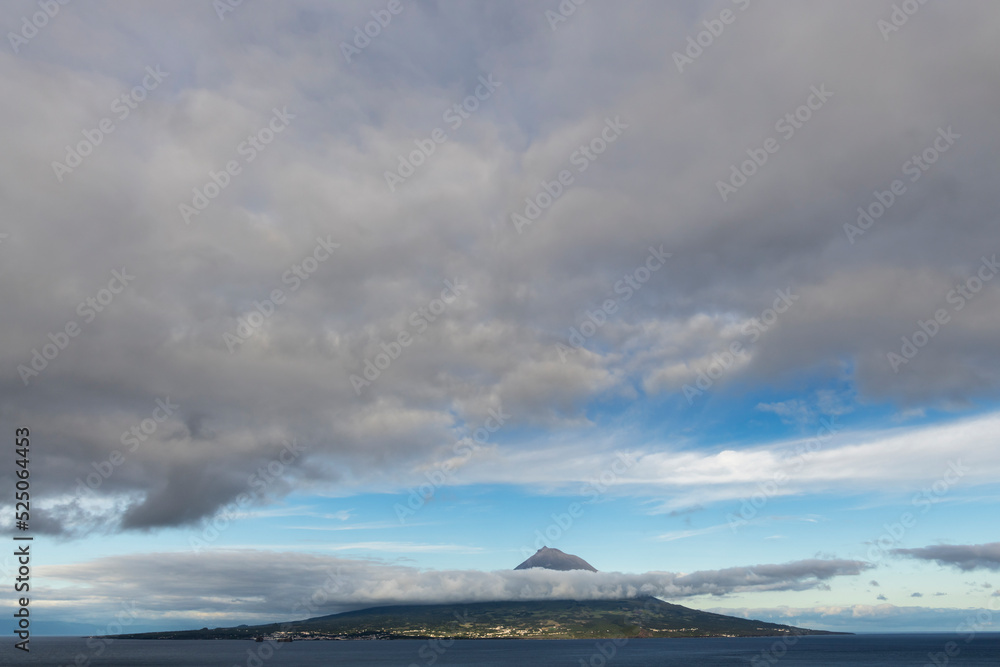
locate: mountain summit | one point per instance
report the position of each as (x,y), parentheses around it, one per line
(553,559)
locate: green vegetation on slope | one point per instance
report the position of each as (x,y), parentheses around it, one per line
(549,619)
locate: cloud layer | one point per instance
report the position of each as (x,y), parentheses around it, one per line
(268,585)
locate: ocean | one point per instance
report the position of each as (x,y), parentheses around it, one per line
(919,650)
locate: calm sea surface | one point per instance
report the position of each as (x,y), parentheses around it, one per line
(858,651)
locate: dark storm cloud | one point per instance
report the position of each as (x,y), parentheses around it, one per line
(323,177)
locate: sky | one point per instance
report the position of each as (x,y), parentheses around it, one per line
(315,306)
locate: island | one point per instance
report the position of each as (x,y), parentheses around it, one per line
(637,617)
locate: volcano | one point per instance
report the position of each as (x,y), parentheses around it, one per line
(554,559)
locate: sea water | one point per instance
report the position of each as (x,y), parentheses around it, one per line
(918,650)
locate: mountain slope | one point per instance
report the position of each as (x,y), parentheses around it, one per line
(550,619)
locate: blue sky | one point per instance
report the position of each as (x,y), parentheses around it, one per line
(714,312)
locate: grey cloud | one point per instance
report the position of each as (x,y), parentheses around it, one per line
(797,575)
(965,557)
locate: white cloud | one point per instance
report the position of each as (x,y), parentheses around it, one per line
(258,583)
